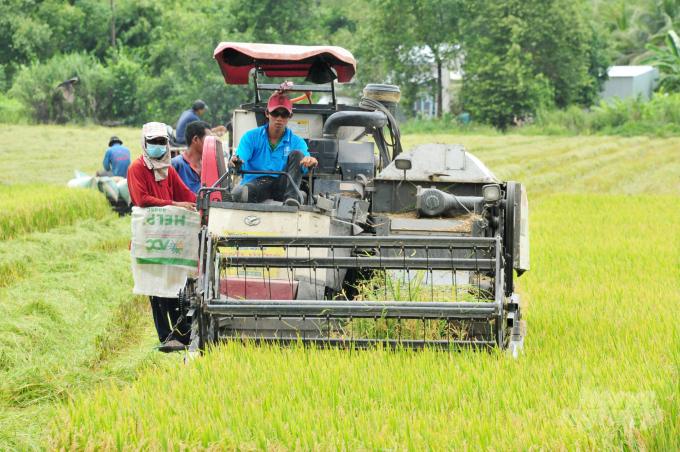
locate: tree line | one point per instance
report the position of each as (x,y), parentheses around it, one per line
(141,60)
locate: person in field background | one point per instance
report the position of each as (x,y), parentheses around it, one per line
(116,159)
(153,181)
(187,116)
(188,164)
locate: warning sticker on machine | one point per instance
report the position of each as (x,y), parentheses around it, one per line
(254,251)
(299,126)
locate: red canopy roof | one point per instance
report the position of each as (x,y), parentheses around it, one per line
(236,59)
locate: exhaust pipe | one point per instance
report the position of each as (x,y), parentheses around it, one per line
(352,119)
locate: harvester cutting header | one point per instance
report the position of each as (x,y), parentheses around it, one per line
(376,245)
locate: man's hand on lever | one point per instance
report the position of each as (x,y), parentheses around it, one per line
(309,162)
(186,205)
(235,161)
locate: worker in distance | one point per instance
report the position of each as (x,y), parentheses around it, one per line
(116,159)
(192,115)
(272,147)
(152,182)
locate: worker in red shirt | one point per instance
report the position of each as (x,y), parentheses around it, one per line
(153,181)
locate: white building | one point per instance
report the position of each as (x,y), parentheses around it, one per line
(627,81)
(426,104)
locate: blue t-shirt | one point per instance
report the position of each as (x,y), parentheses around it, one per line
(185,172)
(117,160)
(257,154)
(187,117)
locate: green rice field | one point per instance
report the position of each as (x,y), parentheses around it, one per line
(600,369)
(44,207)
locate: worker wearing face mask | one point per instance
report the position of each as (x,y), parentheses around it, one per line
(152,180)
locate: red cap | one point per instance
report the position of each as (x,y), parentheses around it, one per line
(278,101)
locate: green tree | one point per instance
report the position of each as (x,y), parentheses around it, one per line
(409,42)
(274,21)
(635,23)
(668,61)
(514,48)
(35,86)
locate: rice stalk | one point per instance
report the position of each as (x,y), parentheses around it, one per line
(37,208)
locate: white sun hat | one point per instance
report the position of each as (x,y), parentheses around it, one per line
(155,130)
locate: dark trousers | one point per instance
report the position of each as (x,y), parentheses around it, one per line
(163,308)
(278,188)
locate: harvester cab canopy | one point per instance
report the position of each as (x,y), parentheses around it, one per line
(427,235)
(236,59)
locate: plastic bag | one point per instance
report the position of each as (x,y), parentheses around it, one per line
(124,191)
(107,186)
(164,249)
(82,182)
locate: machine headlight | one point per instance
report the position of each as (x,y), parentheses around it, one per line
(403,162)
(491,192)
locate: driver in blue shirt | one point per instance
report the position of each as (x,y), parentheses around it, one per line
(272,147)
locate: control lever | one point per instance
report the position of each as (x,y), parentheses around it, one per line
(310,173)
(236,163)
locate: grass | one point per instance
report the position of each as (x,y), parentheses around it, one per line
(77,367)
(30,208)
(584,164)
(70,323)
(603,285)
(50,154)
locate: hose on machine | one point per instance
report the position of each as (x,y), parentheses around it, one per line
(395,134)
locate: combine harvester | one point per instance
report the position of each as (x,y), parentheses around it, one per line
(433,214)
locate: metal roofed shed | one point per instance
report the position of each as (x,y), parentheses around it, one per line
(236,59)
(627,81)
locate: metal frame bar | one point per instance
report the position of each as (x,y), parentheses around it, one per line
(296,88)
(366,343)
(363,263)
(345,309)
(358,241)
(499,294)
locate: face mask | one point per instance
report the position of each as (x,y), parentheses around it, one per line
(155,151)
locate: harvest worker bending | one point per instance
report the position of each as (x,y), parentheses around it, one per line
(153,181)
(272,147)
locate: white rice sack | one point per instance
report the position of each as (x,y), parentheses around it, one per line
(164,249)
(82,182)
(108,187)
(124,191)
